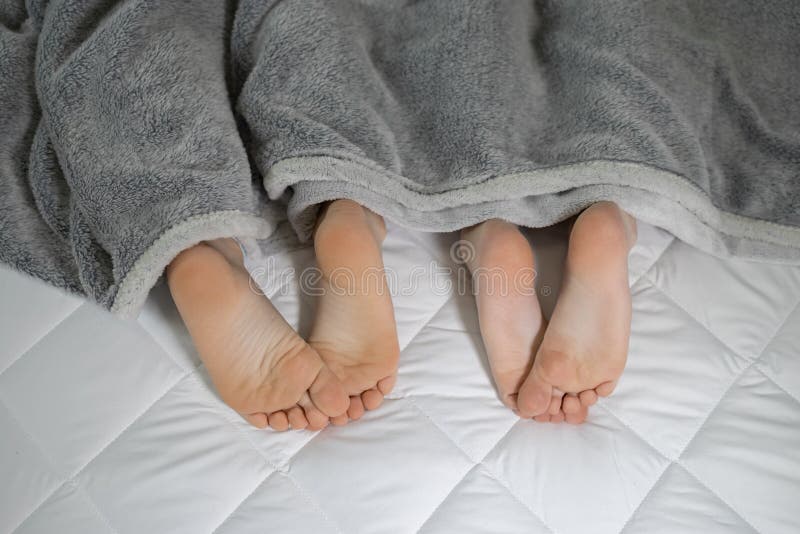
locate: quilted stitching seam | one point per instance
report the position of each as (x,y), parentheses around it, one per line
(715,494)
(698,321)
(223,412)
(46,456)
(312,501)
(35,343)
(436,425)
(485,468)
(671,461)
(275,469)
(656,484)
(777,384)
(427,322)
(66,482)
(651,446)
(98,512)
(780,328)
(196,368)
(677,461)
(410,341)
(252,492)
(304,493)
(737,378)
(760,364)
(73,479)
(480,464)
(271,464)
(447,496)
(752,363)
(652,264)
(700,482)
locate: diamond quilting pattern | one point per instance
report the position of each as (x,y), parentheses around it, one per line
(125,435)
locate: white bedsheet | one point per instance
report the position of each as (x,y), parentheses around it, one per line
(111,426)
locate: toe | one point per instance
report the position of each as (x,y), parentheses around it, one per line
(356,409)
(340,420)
(278,421)
(510,401)
(372,399)
(577,417)
(386,385)
(542,418)
(557,418)
(297,419)
(606,388)
(571,404)
(588,397)
(258,420)
(534,395)
(328,394)
(316,419)
(555,402)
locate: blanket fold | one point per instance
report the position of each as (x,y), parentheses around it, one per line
(442,114)
(134,129)
(119,147)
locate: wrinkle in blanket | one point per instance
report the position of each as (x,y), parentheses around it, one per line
(134,129)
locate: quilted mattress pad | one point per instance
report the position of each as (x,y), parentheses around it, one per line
(112,426)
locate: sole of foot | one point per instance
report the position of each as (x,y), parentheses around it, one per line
(503,271)
(585,346)
(354,329)
(259,365)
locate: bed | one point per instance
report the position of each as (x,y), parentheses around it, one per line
(111,426)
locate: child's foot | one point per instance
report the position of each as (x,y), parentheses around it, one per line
(503,275)
(585,346)
(354,330)
(259,365)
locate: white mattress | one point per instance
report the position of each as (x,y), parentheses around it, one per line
(111,426)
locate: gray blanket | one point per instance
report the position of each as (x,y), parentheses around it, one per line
(131,130)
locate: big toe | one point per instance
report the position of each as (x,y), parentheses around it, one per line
(372,399)
(508,386)
(258,420)
(606,388)
(328,394)
(316,419)
(534,395)
(386,385)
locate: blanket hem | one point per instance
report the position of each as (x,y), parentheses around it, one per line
(144,274)
(647,192)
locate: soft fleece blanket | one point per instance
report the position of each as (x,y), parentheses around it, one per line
(131,130)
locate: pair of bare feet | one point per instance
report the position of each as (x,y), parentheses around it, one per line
(265,371)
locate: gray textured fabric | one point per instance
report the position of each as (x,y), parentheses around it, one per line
(118,144)
(126,125)
(441,114)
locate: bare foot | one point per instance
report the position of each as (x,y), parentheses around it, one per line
(259,365)
(585,346)
(354,330)
(503,275)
